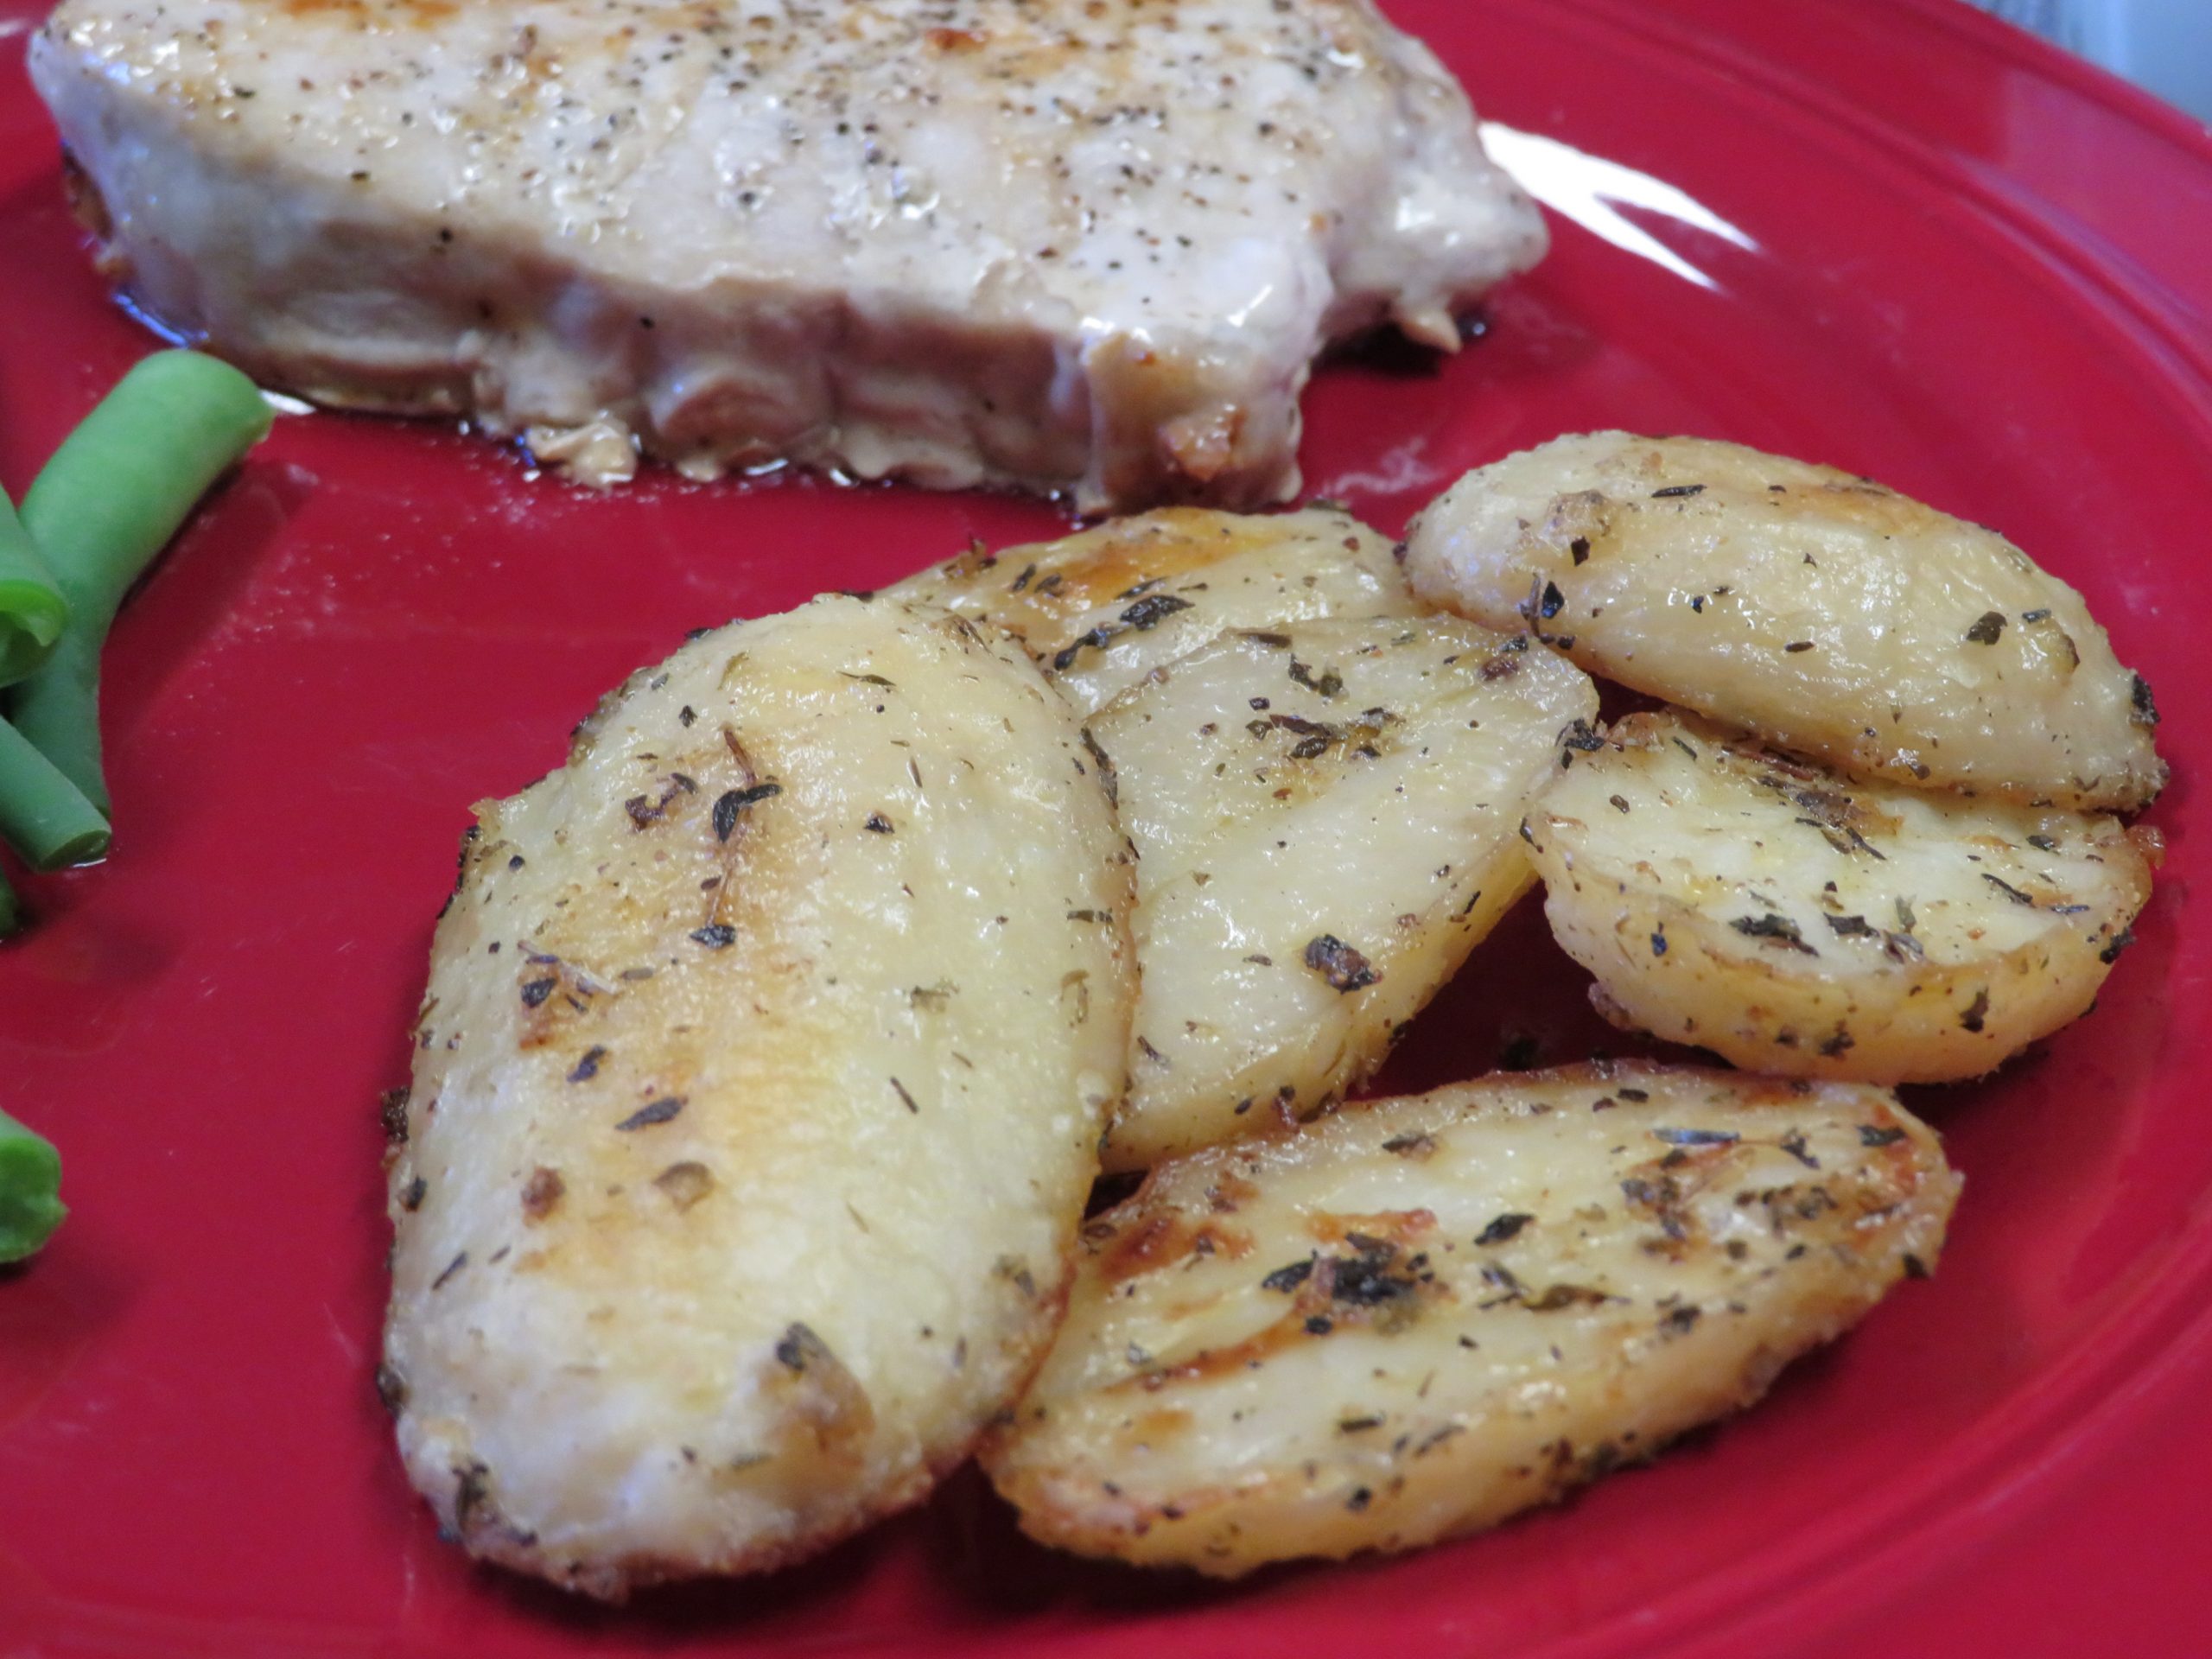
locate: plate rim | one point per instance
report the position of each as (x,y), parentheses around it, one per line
(2182,1311)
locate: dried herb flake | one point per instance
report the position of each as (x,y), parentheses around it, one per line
(1504,1227)
(658,1112)
(1775,929)
(730,804)
(1696,1137)
(1150,612)
(1344,968)
(1288,1279)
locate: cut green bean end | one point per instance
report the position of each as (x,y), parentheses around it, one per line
(44,816)
(87,846)
(32,616)
(30,1191)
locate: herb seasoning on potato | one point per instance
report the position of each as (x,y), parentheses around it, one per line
(1419,1316)
(747,1140)
(1825,612)
(1806,925)
(1326,817)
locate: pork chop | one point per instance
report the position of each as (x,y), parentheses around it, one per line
(1087,247)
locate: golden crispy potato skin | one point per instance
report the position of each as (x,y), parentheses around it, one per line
(757,1093)
(1822,611)
(1801,924)
(1325,815)
(1418,1316)
(1100,609)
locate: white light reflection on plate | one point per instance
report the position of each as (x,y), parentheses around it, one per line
(1584,188)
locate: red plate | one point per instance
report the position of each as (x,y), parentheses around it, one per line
(1943,257)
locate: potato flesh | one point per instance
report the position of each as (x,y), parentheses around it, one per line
(1802,925)
(1325,817)
(1100,610)
(1418,1316)
(749,1129)
(1825,612)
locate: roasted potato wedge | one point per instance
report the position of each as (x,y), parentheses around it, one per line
(1100,610)
(756,1096)
(1414,1316)
(1325,817)
(1798,923)
(1822,611)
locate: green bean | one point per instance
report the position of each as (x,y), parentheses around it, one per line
(44,816)
(30,1190)
(32,610)
(105,503)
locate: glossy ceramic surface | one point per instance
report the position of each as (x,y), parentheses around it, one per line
(1885,233)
